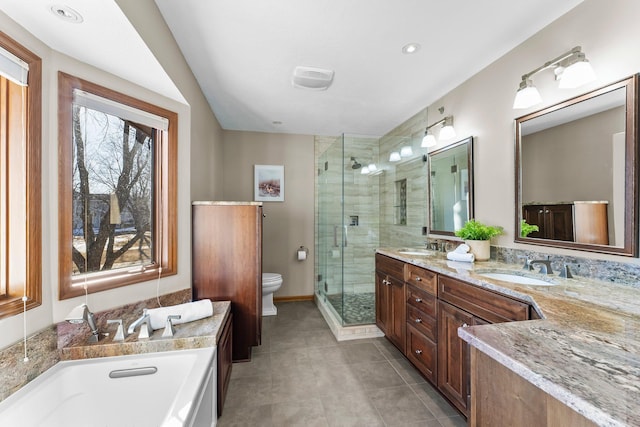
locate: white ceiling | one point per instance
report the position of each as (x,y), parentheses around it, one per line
(243,53)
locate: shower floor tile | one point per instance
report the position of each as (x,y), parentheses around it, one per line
(360,308)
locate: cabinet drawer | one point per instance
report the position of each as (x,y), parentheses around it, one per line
(423,279)
(390,266)
(422,352)
(480,302)
(421,300)
(427,325)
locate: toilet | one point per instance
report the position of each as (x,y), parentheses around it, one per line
(271,282)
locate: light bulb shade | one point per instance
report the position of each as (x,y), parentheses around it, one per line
(394,156)
(406,151)
(428,141)
(527,96)
(447,132)
(577,74)
(372,167)
(364,170)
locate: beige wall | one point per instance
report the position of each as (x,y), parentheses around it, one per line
(288,224)
(482,106)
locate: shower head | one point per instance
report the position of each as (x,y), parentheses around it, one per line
(355,164)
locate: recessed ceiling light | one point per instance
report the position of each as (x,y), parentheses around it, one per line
(410,48)
(66,13)
(276,122)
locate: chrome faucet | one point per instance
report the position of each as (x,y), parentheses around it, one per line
(145,325)
(545,265)
(82,314)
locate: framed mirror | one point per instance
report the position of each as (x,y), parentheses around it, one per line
(451,187)
(576,172)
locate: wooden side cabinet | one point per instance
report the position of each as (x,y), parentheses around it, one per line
(227,265)
(225,359)
(554,221)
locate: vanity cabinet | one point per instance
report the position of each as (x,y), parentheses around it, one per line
(225,359)
(390,299)
(227,265)
(462,304)
(555,221)
(422,327)
(424,323)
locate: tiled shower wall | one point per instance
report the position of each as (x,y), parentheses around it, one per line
(414,170)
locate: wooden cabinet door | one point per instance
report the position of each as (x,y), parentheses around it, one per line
(534,215)
(453,355)
(559,224)
(390,308)
(398,322)
(225,358)
(383,302)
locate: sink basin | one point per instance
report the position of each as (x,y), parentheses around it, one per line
(415,252)
(515,278)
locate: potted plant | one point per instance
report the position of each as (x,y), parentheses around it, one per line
(478,237)
(526,228)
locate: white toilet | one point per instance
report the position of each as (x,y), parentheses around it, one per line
(271,282)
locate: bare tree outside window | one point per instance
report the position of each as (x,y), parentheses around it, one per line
(112,192)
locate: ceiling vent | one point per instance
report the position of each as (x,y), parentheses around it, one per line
(312,78)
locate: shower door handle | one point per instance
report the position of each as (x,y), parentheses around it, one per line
(335,236)
(346,240)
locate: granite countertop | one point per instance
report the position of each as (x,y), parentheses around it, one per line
(585,351)
(197,334)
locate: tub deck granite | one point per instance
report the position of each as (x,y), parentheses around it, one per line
(585,351)
(197,334)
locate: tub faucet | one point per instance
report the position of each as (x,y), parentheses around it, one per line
(145,325)
(82,314)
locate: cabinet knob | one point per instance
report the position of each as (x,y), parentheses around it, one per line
(418,320)
(464,325)
(418,279)
(418,299)
(385,282)
(547,211)
(418,351)
(540,211)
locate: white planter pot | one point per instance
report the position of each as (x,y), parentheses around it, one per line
(481,249)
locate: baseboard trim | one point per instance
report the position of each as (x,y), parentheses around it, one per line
(294,298)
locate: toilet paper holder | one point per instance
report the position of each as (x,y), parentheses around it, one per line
(302,253)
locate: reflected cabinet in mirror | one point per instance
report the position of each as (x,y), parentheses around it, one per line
(576,172)
(451,187)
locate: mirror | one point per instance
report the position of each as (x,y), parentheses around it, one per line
(576,172)
(451,187)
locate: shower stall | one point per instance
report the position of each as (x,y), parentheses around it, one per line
(347,228)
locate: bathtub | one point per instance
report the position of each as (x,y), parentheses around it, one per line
(168,389)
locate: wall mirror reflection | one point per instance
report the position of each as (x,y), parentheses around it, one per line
(576,172)
(451,187)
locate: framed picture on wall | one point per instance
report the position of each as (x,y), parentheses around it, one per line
(268,183)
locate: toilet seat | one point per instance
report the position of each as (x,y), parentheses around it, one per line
(269,278)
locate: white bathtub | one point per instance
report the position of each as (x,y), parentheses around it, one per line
(175,388)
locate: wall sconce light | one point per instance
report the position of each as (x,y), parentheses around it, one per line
(571,69)
(447,132)
(394,156)
(406,151)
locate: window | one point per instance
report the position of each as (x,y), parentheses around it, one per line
(118,165)
(20,179)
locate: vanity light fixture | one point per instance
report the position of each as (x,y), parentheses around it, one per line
(571,69)
(364,170)
(394,156)
(406,151)
(372,167)
(447,132)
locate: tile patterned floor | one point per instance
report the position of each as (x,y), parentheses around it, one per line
(360,307)
(301,376)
